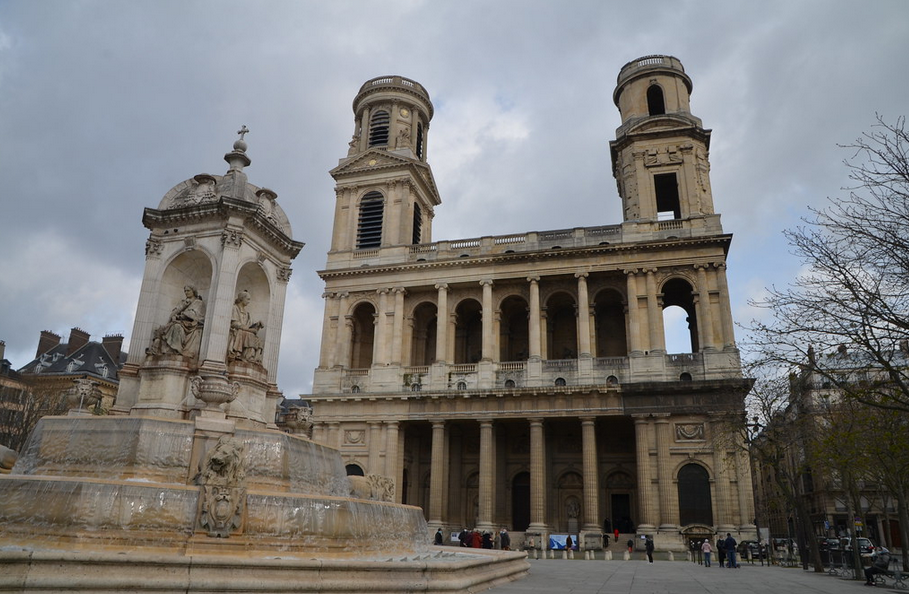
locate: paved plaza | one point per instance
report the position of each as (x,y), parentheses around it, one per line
(558,576)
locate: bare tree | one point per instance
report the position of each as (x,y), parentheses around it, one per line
(20,410)
(855,293)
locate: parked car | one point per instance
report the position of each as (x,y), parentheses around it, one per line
(866,547)
(749,545)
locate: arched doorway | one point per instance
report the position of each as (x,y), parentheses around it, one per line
(520,501)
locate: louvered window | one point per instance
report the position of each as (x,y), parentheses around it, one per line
(378,128)
(417,224)
(369,230)
(420,141)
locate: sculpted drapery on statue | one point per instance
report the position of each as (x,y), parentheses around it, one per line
(182,334)
(244,344)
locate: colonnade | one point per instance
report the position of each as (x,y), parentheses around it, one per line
(394,306)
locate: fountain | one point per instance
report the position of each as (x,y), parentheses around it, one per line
(188,486)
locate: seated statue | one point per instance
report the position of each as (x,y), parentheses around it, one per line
(244,343)
(182,334)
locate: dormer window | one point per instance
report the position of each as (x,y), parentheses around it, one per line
(655,103)
(378,128)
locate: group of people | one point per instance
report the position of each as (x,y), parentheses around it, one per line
(477,540)
(725,550)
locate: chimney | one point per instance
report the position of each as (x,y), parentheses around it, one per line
(46,342)
(78,338)
(113,343)
(2,350)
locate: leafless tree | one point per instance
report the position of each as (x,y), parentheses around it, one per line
(854,296)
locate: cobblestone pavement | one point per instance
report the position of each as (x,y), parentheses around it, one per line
(558,576)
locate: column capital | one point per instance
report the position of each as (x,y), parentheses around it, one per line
(485,422)
(535,421)
(486,281)
(631,271)
(533,279)
(328,295)
(392,423)
(438,424)
(399,290)
(582,274)
(587,420)
(651,271)
(383,291)
(442,286)
(701,266)
(719,265)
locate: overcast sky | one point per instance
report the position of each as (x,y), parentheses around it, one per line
(107,104)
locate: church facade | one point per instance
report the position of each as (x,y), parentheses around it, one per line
(522,381)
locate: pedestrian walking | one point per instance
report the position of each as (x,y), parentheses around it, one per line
(630,544)
(648,546)
(721,552)
(438,538)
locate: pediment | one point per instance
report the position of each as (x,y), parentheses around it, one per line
(369,161)
(377,161)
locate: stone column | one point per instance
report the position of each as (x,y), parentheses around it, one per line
(375,446)
(327,350)
(664,474)
(487,476)
(745,490)
(334,435)
(725,309)
(392,469)
(397,333)
(442,324)
(591,479)
(488,321)
(654,315)
(378,348)
(534,321)
(705,315)
(648,506)
(537,477)
(437,475)
(342,337)
(634,322)
(583,315)
(723,517)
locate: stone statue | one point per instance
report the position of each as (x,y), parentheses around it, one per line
(8,459)
(182,334)
(573,508)
(244,343)
(374,487)
(222,475)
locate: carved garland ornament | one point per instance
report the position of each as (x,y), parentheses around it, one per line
(222,476)
(689,432)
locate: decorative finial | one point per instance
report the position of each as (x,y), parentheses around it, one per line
(240,145)
(243,131)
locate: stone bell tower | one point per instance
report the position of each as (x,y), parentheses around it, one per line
(385,191)
(660,154)
(208,323)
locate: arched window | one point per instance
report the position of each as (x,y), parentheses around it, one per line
(420,141)
(462,385)
(560,381)
(468,332)
(362,336)
(353,470)
(423,337)
(514,340)
(655,103)
(679,317)
(695,506)
(561,327)
(509,383)
(369,229)
(378,128)
(609,312)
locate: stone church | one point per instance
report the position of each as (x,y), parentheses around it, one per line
(522,381)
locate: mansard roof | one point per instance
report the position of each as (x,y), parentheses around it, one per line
(92,360)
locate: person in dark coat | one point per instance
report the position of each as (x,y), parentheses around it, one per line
(648,546)
(568,543)
(505,540)
(721,552)
(730,551)
(486,540)
(630,544)
(438,538)
(462,537)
